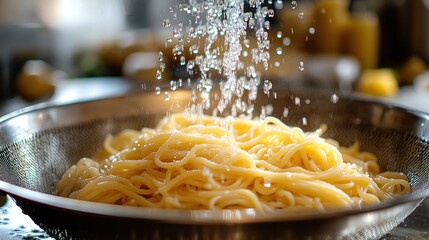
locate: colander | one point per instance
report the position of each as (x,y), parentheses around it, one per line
(38,144)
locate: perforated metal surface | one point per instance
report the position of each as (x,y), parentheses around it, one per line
(38,144)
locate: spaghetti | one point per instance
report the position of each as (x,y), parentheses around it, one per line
(203,162)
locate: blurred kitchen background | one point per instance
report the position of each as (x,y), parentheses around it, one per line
(379,48)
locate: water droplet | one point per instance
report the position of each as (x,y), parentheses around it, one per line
(194,49)
(191,64)
(247,16)
(304,121)
(279,4)
(162,66)
(301,15)
(294,4)
(267,25)
(279,51)
(286,41)
(158,74)
(166,23)
(297,101)
(222,178)
(182,60)
(177,50)
(279,34)
(267,183)
(194,96)
(191,31)
(176,32)
(246,43)
(301,66)
(160,56)
(157,90)
(167,96)
(263,115)
(252,3)
(252,23)
(285,112)
(270,13)
(334,98)
(206,172)
(269,109)
(268,85)
(312,30)
(264,12)
(173,85)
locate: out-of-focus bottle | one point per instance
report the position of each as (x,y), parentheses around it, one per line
(361,39)
(330,18)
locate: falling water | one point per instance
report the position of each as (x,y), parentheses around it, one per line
(227,39)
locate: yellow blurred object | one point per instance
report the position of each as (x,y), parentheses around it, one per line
(378,82)
(413,67)
(361,39)
(330,18)
(35,81)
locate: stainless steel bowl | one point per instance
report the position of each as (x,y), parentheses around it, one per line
(38,144)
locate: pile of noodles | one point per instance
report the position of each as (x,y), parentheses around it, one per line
(204,162)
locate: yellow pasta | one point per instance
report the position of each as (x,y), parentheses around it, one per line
(204,162)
